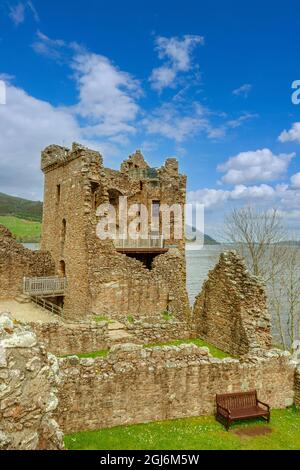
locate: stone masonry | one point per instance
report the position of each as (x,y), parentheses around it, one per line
(137,385)
(231,311)
(62,339)
(17,262)
(28,386)
(101,279)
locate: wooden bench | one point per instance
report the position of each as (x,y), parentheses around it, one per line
(237,406)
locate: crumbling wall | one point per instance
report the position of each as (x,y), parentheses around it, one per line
(16,261)
(64,339)
(136,385)
(297,387)
(28,381)
(231,311)
(101,280)
(152,333)
(122,286)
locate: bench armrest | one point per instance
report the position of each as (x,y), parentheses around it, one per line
(264,404)
(227,411)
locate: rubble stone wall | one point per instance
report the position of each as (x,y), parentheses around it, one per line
(100,279)
(137,385)
(64,339)
(148,333)
(231,311)
(16,262)
(28,386)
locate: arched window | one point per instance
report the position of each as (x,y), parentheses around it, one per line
(62,268)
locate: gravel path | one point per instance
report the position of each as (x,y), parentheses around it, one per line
(27,312)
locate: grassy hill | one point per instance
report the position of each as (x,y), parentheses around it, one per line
(22,208)
(25,231)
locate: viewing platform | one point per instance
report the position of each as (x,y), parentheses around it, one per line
(155,245)
(44,286)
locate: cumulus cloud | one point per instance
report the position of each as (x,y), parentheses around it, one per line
(243,90)
(107,95)
(177,54)
(216,197)
(295,181)
(292,135)
(254,166)
(27,126)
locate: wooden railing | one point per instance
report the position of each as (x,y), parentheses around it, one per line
(54,309)
(44,286)
(152,242)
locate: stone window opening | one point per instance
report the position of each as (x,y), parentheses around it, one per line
(94,191)
(62,268)
(58,193)
(63,235)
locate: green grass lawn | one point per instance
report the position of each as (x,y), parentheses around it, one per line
(25,231)
(215,352)
(202,433)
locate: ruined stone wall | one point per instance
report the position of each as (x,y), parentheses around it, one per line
(17,262)
(66,219)
(231,311)
(28,381)
(123,287)
(297,387)
(152,333)
(64,339)
(101,280)
(136,385)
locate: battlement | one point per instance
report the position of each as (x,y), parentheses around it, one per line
(55,156)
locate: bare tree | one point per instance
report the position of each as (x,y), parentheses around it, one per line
(257,235)
(260,238)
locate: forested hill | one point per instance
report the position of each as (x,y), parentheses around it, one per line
(22,208)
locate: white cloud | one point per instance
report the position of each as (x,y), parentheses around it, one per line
(27,126)
(107,95)
(17,13)
(33,11)
(177,53)
(295,181)
(107,100)
(252,166)
(243,90)
(51,48)
(176,123)
(218,197)
(292,135)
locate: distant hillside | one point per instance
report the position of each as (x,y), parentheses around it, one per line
(207,239)
(22,208)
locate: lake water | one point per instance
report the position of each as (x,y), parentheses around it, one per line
(199,263)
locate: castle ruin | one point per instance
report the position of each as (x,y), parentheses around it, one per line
(97,285)
(112,277)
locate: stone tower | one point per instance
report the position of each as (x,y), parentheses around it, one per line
(115,278)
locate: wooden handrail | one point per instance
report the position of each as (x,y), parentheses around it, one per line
(39,286)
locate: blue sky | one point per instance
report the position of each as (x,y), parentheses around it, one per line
(206,81)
